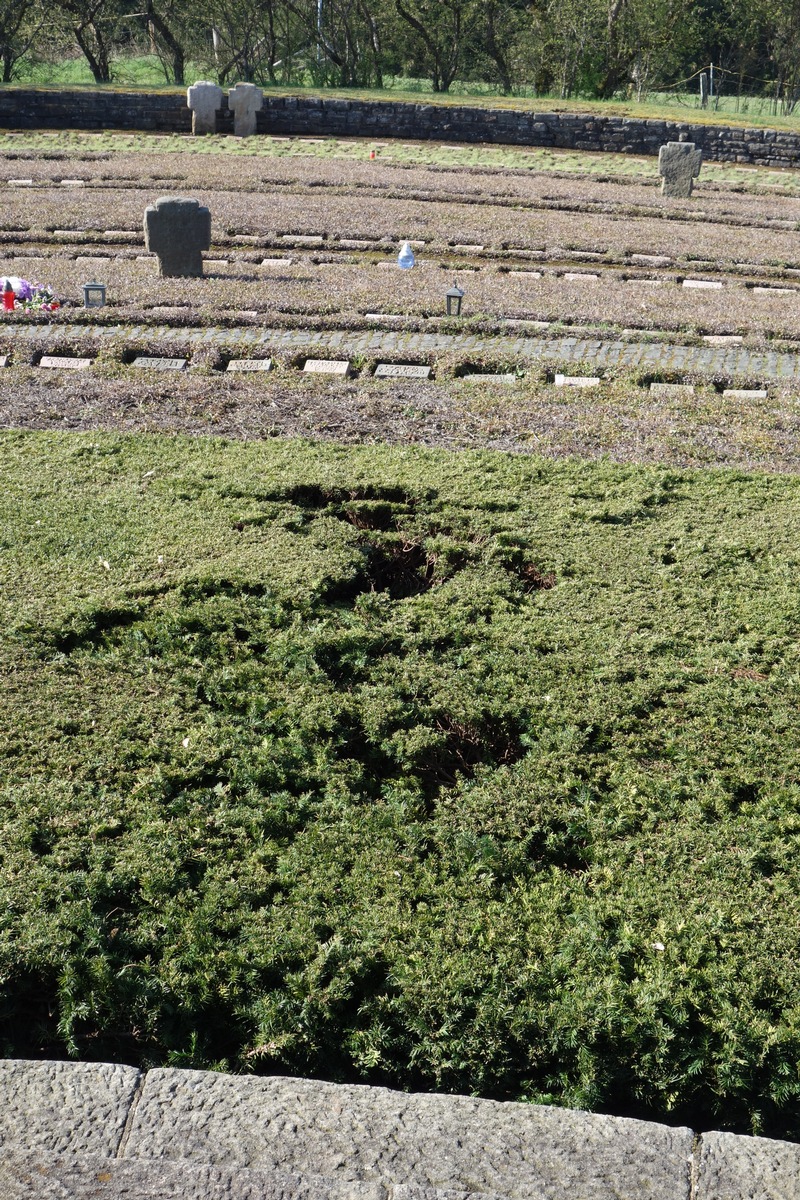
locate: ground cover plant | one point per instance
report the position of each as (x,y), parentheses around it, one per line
(474,773)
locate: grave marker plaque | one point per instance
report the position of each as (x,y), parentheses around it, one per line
(484,378)
(250,364)
(668,390)
(327,366)
(402,371)
(159,364)
(577,381)
(56,360)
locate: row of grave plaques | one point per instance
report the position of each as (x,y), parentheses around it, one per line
(342,367)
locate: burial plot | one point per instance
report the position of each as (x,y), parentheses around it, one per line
(204,99)
(745,393)
(678,165)
(245,101)
(702,283)
(177,230)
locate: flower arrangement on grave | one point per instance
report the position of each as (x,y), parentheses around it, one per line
(24,295)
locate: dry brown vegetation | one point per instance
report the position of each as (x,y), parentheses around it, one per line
(492,230)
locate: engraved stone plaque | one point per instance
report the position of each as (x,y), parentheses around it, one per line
(402,371)
(4,359)
(159,364)
(745,393)
(327,366)
(702,283)
(668,390)
(579,381)
(250,364)
(483,378)
(74,364)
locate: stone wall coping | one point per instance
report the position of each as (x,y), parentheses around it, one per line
(302,1138)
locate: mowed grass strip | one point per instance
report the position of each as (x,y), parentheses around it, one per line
(458,772)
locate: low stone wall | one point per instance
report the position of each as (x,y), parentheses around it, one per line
(27,108)
(73,1130)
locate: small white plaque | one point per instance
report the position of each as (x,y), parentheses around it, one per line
(722,339)
(525,274)
(579,381)
(55,360)
(159,364)
(250,364)
(524,323)
(671,389)
(702,283)
(96,260)
(479,378)
(277,262)
(327,366)
(355,244)
(745,393)
(4,360)
(575,277)
(465,248)
(651,260)
(384,317)
(402,371)
(73,183)
(20,183)
(215,262)
(773,291)
(309,242)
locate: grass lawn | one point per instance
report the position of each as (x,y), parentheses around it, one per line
(463,772)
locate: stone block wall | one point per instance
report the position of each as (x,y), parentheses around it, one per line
(166,111)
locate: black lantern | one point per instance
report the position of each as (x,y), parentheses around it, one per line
(454,298)
(94,295)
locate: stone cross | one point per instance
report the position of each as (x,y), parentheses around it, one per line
(678,164)
(177,230)
(204,98)
(244,101)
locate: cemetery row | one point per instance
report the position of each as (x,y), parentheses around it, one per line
(344,369)
(339,223)
(309,218)
(288,292)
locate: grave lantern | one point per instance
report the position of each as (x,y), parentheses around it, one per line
(94,295)
(454,298)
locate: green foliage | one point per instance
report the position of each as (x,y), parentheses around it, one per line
(464,772)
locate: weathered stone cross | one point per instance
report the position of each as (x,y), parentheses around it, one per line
(177,230)
(204,99)
(678,164)
(244,101)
